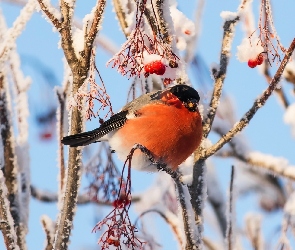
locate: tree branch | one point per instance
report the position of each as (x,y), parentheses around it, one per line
(121,16)
(228,29)
(9,168)
(259,102)
(6,222)
(230,231)
(97,18)
(47,9)
(187,229)
(48,227)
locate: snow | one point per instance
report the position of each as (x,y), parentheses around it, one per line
(147,58)
(249,49)
(289,117)
(78,41)
(184,27)
(186,169)
(228,15)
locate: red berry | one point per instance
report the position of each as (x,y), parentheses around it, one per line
(260,59)
(187,32)
(252,63)
(156,67)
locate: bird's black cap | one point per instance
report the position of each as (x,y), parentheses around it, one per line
(185,93)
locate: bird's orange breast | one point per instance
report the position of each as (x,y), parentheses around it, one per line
(170,132)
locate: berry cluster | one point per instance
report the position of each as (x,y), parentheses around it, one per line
(155,67)
(252,63)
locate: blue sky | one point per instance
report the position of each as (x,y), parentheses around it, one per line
(266,133)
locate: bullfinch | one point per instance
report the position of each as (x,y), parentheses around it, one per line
(167,123)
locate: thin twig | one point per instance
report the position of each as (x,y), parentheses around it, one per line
(10,167)
(121,16)
(197,192)
(186,220)
(61,111)
(6,220)
(162,22)
(280,92)
(48,227)
(259,102)
(169,221)
(49,197)
(230,232)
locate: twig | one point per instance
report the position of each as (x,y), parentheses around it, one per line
(166,215)
(190,244)
(280,93)
(162,22)
(98,13)
(48,227)
(10,167)
(259,102)
(229,231)
(61,95)
(228,28)
(46,196)
(216,198)
(6,221)
(197,192)
(18,26)
(121,16)
(253,230)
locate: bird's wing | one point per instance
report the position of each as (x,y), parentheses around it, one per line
(115,122)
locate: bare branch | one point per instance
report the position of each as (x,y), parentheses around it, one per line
(229,232)
(259,102)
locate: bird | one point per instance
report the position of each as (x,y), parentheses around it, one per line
(165,122)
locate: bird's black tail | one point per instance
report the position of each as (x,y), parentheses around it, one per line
(81,139)
(115,122)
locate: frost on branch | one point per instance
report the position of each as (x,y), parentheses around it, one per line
(90,92)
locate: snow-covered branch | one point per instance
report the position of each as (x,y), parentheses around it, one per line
(10,161)
(16,29)
(6,220)
(219,74)
(48,227)
(97,14)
